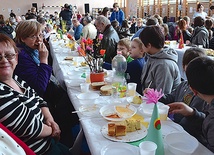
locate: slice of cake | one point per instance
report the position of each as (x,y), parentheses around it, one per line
(117,128)
(111,129)
(133,125)
(120,128)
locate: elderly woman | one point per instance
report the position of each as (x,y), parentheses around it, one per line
(34,69)
(22,111)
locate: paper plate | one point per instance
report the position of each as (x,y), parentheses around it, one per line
(90,109)
(110,110)
(169,127)
(129,137)
(119,148)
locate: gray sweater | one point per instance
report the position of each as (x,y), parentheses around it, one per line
(162,69)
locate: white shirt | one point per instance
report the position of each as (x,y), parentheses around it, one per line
(202,14)
(89,31)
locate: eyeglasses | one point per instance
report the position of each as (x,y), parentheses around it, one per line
(34,37)
(8,56)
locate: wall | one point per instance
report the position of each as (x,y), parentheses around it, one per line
(20,7)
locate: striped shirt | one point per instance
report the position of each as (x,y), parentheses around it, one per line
(21,114)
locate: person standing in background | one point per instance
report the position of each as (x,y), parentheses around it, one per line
(66,15)
(212,11)
(105,12)
(200,12)
(117,14)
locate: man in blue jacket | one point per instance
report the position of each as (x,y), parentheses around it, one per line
(117,14)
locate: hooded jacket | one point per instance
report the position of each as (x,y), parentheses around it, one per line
(161,70)
(200,36)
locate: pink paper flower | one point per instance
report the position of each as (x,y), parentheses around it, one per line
(84,40)
(100,36)
(152,96)
(88,48)
(78,48)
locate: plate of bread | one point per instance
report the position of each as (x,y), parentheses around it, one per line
(129,130)
(118,112)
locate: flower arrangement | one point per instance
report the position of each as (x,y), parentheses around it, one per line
(152,96)
(93,53)
(71,43)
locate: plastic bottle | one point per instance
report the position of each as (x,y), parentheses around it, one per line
(119,66)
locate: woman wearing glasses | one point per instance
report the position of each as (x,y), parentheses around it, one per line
(34,69)
(22,111)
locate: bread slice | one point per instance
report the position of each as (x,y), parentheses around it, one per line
(69,58)
(106,90)
(97,85)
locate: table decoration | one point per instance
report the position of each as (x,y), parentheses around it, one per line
(71,43)
(93,54)
(154,131)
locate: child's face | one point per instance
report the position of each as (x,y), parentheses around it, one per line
(123,49)
(136,51)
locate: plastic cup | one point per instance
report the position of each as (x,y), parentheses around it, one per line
(132,89)
(76,61)
(173,44)
(84,87)
(163,112)
(147,148)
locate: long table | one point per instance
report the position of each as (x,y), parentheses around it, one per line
(91,124)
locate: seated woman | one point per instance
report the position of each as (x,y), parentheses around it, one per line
(22,111)
(34,69)
(182,25)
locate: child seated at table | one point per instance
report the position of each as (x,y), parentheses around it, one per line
(161,70)
(134,67)
(124,46)
(184,94)
(200,75)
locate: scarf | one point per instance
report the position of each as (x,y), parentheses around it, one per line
(34,53)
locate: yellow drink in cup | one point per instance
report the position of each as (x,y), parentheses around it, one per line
(131,92)
(132,89)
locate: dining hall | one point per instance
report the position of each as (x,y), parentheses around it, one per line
(106,77)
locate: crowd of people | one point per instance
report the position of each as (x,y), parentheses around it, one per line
(34,105)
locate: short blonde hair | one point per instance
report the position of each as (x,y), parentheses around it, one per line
(125,42)
(139,42)
(25,29)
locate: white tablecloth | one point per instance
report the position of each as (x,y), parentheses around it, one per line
(91,125)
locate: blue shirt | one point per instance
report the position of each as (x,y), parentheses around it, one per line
(78,31)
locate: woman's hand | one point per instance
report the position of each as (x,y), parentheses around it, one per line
(180,108)
(55,129)
(43,53)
